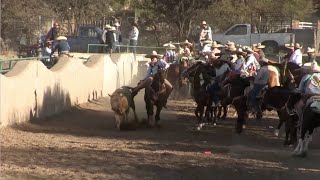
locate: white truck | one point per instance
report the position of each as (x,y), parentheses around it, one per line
(245,35)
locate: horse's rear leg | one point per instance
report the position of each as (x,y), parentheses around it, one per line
(225,111)
(281,121)
(200,117)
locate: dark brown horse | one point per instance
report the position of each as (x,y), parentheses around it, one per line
(180,84)
(158,90)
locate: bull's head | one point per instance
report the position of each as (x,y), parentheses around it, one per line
(119,103)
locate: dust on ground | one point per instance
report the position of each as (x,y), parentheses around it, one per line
(84,144)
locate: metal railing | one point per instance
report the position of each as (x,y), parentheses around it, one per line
(126,48)
(7,64)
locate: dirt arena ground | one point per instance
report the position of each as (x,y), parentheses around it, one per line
(84,144)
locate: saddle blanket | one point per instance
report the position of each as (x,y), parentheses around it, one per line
(314,102)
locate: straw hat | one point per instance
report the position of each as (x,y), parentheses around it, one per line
(112,28)
(229,43)
(60,38)
(259,46)
(232,48)
(154,54)
(204,23)
(289,46)
(311,50)
(312,67)
(169,46)
(297,46)
(107,26)
(186,42)
(216,45)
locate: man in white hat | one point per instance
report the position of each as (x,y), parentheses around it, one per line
(311,54)
(104,36)
(153,66)
(185,51)
(206,46)
(240,62)
(118,38)
(170,55)
(310,83)
(133,36)
(257,48)
(110,39)
(296,56)
(260,81)
(206,33)
(252,65)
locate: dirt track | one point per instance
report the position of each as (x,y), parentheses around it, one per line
(84,144)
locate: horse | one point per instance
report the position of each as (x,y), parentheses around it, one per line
(157,87)
(238,98)
(201,79)
(310,121)
(180,84)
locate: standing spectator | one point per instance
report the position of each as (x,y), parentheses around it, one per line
(53,33)
(103,36)
(110,39)
(296,56)
(311,54)
(133,36)
(118,39)
(206,33)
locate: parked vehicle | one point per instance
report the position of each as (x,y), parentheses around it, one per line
(86,35)
(244,34)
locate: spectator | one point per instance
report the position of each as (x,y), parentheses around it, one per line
(206,33)
(103,37)
(53,33)
(133,36)
(118,39)
(110,39)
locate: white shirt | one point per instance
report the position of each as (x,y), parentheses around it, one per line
(250,62)
(296,57)
(206,48)
(134,34)
(239,64)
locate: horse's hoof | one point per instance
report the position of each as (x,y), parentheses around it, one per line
(198,128)
(214,124)
(276,132)
(244,126)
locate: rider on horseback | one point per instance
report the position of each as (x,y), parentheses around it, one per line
(153,67)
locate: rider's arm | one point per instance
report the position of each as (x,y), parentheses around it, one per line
(148,74)
(164,64)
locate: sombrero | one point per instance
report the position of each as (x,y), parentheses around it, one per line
(311,50)
(290,46)
(312,67)
(216,45)
(186,42)
(259,46)
(297,46)
(154,54)
(169,46)
(61,38)
(107,26)
(112,28)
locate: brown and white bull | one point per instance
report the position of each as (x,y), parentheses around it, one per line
(123,106)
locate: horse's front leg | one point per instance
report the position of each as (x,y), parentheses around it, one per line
(157,117)
(200,117)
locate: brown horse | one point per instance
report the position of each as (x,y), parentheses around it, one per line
(180,84)
(157,87)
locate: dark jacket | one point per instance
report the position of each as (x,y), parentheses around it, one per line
(110,41)
(52,34)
